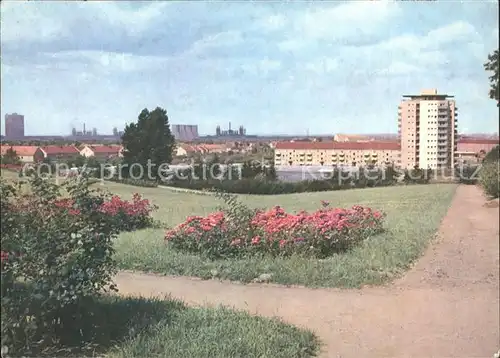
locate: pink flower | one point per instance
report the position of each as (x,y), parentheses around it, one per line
(256,240)
(236,242)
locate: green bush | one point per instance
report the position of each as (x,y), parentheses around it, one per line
(467,174)
(417,176)
(493,155)
(55,260)
(489,178)
(337,180)
(135,182)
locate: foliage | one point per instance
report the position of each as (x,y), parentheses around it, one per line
(254,169)
(336,180)
(242,231)
(493,155)
(129,215)
(10,157)
(147,141)
(55,259)
(135,182)
(489,178)
(417,176)
(467,174)
(492,66)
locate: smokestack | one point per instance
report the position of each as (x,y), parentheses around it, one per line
(84,128)
(229,126)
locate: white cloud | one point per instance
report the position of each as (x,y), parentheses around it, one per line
(322,65)
(21,21)
(400,68)
(222,39)
(272,22)
(35,21)
(452,32)
(350,20)
(346,19)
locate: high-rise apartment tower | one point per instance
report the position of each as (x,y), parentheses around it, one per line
(14,126)
(427,127)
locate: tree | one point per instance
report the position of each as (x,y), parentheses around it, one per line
(11,157)
(150,139)
(492,65)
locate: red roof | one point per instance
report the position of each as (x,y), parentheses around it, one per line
(21,150)
(478,141)
(106,149)
(56,149)
(372,145)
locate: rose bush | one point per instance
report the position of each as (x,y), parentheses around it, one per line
(57,256)
(276,232)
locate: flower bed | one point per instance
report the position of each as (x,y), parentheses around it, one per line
(276,232)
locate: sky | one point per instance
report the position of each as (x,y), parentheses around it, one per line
(320,67)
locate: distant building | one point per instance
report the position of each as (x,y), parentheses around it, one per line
(184,132)
(473,150)
(186,149)
(351,138)
(102,151)
(14,125)
(241,132)
(55,152)
(428,129)
(26,153)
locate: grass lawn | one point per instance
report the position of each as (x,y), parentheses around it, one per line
(209,332)
(413,217)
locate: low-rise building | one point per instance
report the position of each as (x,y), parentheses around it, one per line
(351,138)
(337,153)
(473,150)
(57,152)
(26,153)
(189,149)
(102,151)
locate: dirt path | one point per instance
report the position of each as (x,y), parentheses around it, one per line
(446,306)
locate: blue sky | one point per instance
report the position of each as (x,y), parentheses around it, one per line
(322,67)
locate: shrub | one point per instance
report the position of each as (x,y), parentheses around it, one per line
(467,174)
(489,178)
(242,231)
(417,176)
(136,182)
(337,180)
(493,155)
(56,257)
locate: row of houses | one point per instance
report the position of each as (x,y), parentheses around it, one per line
(190,149)
(33,154)
(360,153)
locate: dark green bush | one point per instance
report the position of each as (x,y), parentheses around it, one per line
(467,174)
(417,176)
(135,182)
(489,178)
(55,260)
(493,155)
(337,180)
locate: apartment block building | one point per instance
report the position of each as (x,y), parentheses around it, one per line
(352,154)
(14,126)
(427,128)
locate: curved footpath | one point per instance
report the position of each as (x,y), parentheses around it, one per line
(446,306)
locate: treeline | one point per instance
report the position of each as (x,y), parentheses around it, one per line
(258,183)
